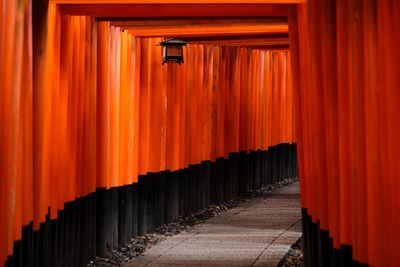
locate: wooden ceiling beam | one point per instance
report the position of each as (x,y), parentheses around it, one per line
(175,10)
(189,2)
(242,41)
(190,22)
(208,31)
(271,48)
(283,36)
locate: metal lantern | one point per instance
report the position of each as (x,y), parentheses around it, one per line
(172,50)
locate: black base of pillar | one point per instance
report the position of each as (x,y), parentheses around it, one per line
(100,222)
(142,206)
(318,247)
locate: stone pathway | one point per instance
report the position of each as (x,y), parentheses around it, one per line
(256,233)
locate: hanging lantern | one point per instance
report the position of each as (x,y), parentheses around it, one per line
(172,50)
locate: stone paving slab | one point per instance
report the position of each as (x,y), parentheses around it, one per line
(256,233)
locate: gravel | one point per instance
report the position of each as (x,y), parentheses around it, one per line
(294,257)
(138,245)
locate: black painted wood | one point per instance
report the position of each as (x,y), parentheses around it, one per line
(160,198)
(100,222)
(125,214)
(142,205)
(135,209)
(318,247)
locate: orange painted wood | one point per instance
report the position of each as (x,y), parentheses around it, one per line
(175,10)
(189,2)
(388,35)
(136,70)
(344,134)
(103,124)
(144,106)
(111,111)
(346,121)
(209,31)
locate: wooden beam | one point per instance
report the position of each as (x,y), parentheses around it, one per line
(178,1)
(208,31)
(237,37)
(186,22)
(175,10)
(242,41)
(268,47)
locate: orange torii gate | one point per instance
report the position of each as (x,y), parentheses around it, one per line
(102,113)
(111,113)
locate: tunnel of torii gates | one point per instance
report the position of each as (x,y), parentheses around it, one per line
(100,142)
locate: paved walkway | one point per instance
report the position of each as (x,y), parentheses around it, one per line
(256,233)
